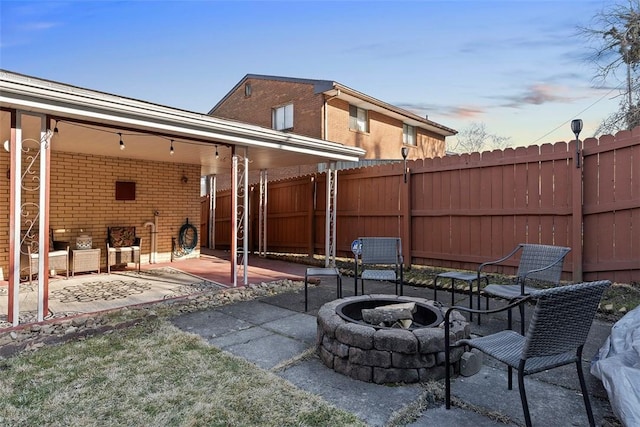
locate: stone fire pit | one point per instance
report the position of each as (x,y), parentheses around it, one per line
(381,354)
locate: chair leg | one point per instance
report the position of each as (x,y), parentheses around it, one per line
(583,387)
(447,369)
(305,291)
(435,289)
(521,319)
(523,398)
(509,377)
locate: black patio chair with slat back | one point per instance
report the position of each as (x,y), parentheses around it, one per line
(380,259)
(558,330)
(537,262)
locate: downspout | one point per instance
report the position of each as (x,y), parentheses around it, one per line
(326,115)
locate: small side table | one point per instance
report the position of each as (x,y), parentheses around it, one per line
(83,260)
(464,277)
(315,272)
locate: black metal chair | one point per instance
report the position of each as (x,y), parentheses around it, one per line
(379,258)
(556,335)
(537,262)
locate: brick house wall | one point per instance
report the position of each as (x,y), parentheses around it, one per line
(82,195)
(383,141)
(269,94)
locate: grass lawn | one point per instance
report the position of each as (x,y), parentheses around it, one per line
(151,374)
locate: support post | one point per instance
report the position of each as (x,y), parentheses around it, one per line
(262,217)
(405,213)
(240,214)
(577,183)
(44,195)
(15,201)
(330,216)
(211,186)
(234,217)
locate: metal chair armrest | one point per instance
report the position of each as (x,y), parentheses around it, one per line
(513,303)
(498,261)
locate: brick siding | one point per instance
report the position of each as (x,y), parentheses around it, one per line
(383,141)
(82,195)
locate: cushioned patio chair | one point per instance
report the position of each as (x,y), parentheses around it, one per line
(123,247)
(556,335)
(537,262)
(58,254)
(379,258)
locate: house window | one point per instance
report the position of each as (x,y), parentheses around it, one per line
(358,119)
(408,134)
(247,90)
(283,117)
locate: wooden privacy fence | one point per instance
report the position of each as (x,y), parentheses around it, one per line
(459,211)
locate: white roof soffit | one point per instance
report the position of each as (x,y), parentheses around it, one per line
(47,97)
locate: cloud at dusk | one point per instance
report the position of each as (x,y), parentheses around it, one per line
(539,94)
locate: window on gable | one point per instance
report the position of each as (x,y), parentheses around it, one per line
(247,89)
(358,119)
(408,134)
(283,117)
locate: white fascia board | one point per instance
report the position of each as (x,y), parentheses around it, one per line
(98,107)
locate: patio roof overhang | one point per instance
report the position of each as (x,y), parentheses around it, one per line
(89,122)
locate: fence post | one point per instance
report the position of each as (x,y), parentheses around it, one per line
(405,214)
(577,183)
(311,217)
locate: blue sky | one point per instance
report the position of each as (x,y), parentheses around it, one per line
(516,66)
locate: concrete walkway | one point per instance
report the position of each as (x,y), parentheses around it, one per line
(276,334)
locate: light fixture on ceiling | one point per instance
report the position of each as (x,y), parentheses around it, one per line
(217,155)
(121,141)
(171,148)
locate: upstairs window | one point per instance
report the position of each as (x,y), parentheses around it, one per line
(408,134)
(283,117)
(358,119)
(247,90)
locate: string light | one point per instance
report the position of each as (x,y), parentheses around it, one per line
(138,134)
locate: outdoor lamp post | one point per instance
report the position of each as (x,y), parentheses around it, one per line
(405,153)
(576,127)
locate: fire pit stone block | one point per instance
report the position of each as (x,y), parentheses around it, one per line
(353,334)
(370,357)
(400,340)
